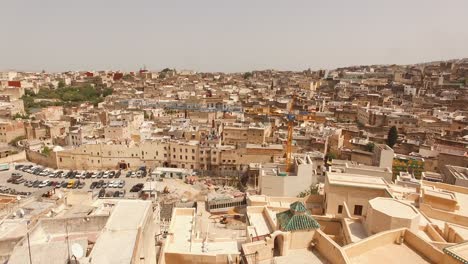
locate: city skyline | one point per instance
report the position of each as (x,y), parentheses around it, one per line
(233,37)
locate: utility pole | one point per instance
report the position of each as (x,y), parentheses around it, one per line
(68,242)
(29,249)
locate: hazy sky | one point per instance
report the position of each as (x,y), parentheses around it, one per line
(219,35)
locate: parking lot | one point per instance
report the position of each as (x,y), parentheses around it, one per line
(70,180)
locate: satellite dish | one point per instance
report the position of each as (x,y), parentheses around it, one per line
(77,250)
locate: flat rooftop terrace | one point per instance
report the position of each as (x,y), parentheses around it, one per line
(390,253)
(356,180)
(301,256)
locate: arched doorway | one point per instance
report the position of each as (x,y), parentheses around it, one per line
(278,245)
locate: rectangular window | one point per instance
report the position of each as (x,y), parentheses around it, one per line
(358,210)
(340,209)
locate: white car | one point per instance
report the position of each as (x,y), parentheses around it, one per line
(94,175)
(44,184)
(82,175)
(63,174)
(44,172)
(121,184)
(111,184)
(106,174)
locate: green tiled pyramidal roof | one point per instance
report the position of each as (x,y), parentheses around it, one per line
(296,218)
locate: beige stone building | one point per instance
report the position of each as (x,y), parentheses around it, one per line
(10,130)
(239,134)
(353,189)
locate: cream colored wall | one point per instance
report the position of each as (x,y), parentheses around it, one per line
(177,258)
(301,239)
(329,249)
(264,249)
(272,185)
(443,215)
(377,221)
(102,156)
(448,187)
(439,203)
(427,250)
(378,240)
(376,173)
(433,234)
(336,195)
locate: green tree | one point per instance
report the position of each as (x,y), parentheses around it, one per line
(370,147)
(247,75)
(392,136)
(61,84)
(331,156)
(20,116)
(46,150)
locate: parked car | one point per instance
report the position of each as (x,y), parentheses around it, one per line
(137,187)
(64,184)
(99,184)
(44,172)
(93,185)
(37,171)
(111,184)
(81,185)
(100,174)
(19,166)
(25,168)
(118,173)
(76,184)
(70,184)
(44,184)
(102,193)
(139,173)
(128,174)
(121,184)
(36,183)
(18,180)
(105,184)
(111,174)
